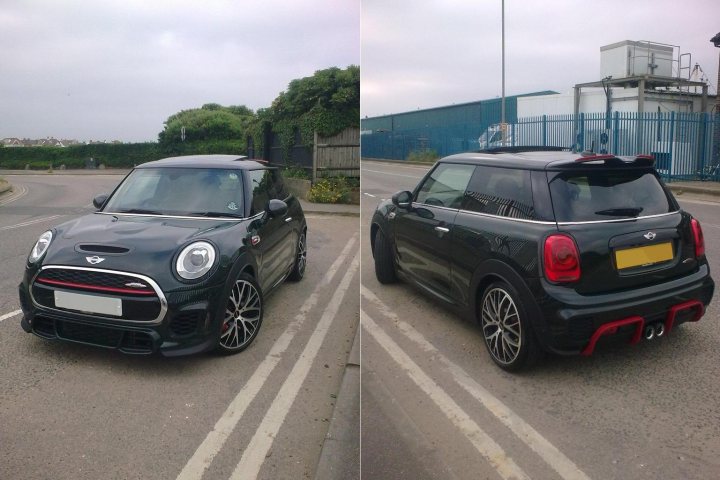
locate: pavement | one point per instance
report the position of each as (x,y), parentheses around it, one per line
(340,451)
(699,188)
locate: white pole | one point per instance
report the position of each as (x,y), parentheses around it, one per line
(502,108)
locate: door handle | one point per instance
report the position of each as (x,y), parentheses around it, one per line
(288,219)
(442,229)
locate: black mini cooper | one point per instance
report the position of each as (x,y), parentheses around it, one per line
(177,260)
(549,250)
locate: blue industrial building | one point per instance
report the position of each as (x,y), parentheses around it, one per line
(445,130)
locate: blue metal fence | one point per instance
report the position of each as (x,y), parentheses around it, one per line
(682,143)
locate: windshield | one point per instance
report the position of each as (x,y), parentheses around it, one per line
(580,196)
(180,191)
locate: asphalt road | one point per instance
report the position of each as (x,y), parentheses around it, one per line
(73,412)
(435,406)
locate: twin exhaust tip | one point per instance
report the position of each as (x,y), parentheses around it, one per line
(654,330)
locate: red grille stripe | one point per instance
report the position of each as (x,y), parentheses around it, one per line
(60,283)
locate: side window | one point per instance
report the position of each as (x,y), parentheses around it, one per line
(266,184)
(504,192)
(445,186)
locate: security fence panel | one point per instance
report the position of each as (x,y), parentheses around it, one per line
(682,143)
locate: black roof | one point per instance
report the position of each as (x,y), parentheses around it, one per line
(207,161)
(535,159)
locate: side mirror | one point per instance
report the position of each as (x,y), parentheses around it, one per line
(402,199)
(276,208)
(100,200)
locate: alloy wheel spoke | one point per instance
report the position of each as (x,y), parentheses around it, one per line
(242,312)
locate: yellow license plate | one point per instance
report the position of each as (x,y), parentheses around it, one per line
(640,256)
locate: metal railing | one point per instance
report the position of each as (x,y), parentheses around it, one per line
(682,143)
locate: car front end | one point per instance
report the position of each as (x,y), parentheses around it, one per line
(139,299)
(150,271)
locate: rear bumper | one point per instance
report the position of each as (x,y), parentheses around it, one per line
(575,324)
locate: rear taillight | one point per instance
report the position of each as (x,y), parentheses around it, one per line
(561,259)
(699,239)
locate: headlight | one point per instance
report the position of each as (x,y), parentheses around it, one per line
(195,260)
(40,247)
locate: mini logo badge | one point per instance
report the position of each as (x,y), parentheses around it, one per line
(650,235)
(94,260)
(136,285)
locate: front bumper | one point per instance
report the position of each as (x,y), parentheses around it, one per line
(569,323)
(190,324)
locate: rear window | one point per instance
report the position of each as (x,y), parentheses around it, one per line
(581,196)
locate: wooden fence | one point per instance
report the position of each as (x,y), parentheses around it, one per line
(328,156)
(337,155)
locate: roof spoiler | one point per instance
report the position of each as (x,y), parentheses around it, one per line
(521,149)
(640,159)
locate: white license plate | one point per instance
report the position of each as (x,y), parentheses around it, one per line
(89,303)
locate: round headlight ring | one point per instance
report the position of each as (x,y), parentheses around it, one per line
(195,260)
(40,247)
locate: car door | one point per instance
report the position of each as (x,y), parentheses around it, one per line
(423,233)
(270,241)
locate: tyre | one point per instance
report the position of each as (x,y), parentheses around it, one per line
(300,259)
(506,328)
(384,263)
(243,316)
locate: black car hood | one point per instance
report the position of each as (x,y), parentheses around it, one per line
(135,243)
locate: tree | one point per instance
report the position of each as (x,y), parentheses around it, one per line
(210,122)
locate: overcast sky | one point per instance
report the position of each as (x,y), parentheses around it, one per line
(117,69)
(419,54)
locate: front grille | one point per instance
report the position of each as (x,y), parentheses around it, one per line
(138,304)
(98,281)
(185,323)
(95,335)
(128,341)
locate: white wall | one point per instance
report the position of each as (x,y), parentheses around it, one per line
(592,100)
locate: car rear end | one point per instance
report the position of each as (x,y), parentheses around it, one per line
(626,262)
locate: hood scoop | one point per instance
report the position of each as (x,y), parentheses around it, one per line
(104,249)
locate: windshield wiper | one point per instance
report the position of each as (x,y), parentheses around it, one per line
(621,212)
(140,211)
(216,214)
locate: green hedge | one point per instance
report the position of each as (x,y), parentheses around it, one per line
(112,155)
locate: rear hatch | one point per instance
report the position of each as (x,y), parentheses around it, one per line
(629,230)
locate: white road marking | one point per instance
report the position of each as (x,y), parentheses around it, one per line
(10,315)
(214,440)
(369,194)
(254,455)
(531,437)
(394,174)
(30,222)
(486,446)
(21,192)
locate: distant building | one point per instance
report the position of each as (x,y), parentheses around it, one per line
(12,142)
(636,77)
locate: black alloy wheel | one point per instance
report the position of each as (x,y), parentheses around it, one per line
(243,316)
(298,271)
(384,263)
(506,328)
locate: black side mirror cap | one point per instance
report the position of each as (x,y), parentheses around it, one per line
(276,208)
(100,200)
(402,199)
